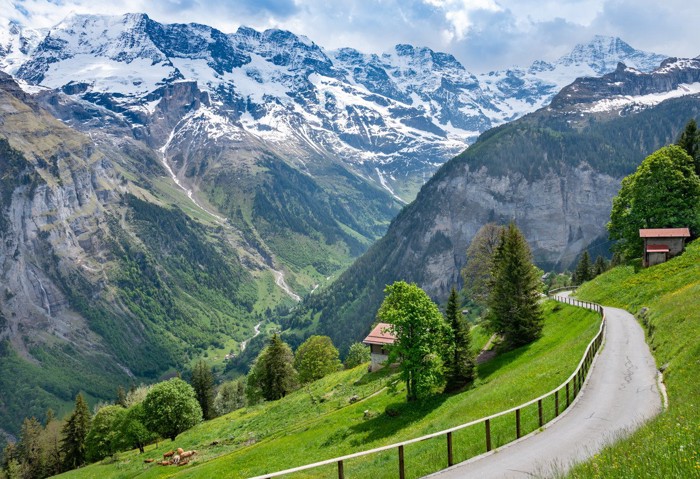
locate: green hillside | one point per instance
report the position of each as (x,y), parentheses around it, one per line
(669,445)
(320,421)
(532,146)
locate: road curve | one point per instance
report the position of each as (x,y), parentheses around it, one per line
(620,393)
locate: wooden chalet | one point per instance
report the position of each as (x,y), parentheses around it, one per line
(661,244)
(378,340)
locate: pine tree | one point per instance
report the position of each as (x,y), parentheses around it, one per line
(690,142)
(583,269)
(74,432)
(273,375)
(514,308)
(203,384)
(460,364)
(600,266)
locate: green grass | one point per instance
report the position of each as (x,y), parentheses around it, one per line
(669,445)
(320,422)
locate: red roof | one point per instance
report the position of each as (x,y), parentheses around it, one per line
(665,233)
(381,334)
(657,248)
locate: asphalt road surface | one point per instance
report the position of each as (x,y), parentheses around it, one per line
(620,393)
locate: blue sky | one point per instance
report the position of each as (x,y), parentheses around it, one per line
(482,34)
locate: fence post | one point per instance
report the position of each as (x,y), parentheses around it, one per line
(402,473)
(450,458)
(341,472)
(517,423)
(567,395)
(539,411)
(556,403)
(488,435)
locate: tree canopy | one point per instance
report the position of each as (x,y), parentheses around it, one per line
(75,430)
(664,192)
(478,268)
(273,375)
(460,365)
(315,358)
(690,142)
(171,407)
(104,438)
(357,354)
(420,332)
(203,385)
(514,309)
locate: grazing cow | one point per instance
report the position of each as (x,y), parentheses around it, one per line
(180,450)
(176,459)
(187,454)
(168,454)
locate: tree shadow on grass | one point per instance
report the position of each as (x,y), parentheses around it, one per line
(380,375)
(400,415)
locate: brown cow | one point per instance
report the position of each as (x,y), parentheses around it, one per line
(168,454)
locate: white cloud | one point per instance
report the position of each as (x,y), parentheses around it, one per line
(483,34)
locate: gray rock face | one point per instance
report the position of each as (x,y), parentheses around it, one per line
(560,215)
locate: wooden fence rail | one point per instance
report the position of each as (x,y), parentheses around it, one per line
(572,387)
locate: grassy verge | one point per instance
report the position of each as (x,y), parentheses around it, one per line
(322,422)
(669,445)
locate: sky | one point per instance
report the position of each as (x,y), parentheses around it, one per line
(483,34)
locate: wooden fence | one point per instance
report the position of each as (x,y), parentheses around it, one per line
(563,395)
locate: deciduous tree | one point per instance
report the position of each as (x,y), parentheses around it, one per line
(420,332)
(357,354)
(460,365)
(315,358)
(231,396)
(133,430)
(514,308)
(479,266)
(664,192)
(171,407)
(104,438)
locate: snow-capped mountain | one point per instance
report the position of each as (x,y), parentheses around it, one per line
(392,118)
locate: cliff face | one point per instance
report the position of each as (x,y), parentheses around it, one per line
(101,284)
(560,215)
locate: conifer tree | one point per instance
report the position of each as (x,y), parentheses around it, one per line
(514,308)
(690,142)
(74,432)
(460,365)
(203,384)
(583,269)
(600,266)
(273,375)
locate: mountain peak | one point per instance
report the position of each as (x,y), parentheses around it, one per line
(603,53)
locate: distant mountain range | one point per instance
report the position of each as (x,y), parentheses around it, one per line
(165,187)
(392,118)
(554,172)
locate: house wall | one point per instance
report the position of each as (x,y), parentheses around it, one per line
(675,245)
(378,361)
(655,258)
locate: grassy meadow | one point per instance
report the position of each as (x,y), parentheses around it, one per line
(321,421)
(669,445)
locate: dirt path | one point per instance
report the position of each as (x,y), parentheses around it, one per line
(620,393)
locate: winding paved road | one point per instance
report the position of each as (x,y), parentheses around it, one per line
(620,393)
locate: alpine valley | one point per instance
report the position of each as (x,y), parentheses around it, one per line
(164,187)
